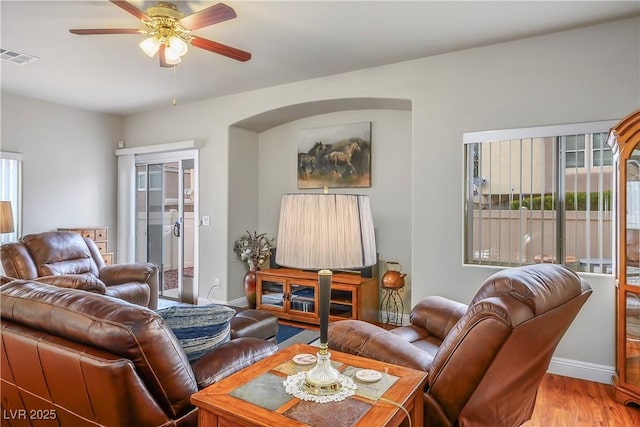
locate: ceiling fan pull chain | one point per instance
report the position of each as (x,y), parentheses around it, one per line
(174,85)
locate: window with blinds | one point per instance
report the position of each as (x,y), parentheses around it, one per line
(540,195)
(11,190)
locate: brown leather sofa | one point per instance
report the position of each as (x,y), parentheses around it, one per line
(67,259)
(90,360)
(485,360)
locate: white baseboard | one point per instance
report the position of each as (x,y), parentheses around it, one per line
(581,370)
(239,302)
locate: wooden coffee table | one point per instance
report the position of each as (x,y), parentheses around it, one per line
(255,396)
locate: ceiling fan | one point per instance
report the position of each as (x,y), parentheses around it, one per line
(169,31)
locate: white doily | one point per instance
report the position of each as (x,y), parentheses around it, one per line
(293,385)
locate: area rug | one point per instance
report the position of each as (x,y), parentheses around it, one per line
(286,331)
(170,278)
(289,335)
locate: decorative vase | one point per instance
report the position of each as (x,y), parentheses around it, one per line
(250,287)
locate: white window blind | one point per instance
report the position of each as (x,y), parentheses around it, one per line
(540,195)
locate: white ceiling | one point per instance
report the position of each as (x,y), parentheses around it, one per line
(289,41)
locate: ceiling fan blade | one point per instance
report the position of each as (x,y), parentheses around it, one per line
(131,9)
(163,58)
(220,48)
(94,31)
(212,15)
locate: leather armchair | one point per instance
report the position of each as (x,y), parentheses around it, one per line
(85,359)
(485,360)
(67,259)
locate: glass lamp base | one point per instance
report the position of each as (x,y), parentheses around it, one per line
(323,379)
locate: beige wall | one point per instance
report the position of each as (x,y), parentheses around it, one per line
(69,171)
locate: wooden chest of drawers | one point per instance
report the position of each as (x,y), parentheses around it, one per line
(100,236)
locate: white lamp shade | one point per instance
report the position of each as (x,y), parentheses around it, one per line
(6,217)
(325,231)
(177,46)
(150,46)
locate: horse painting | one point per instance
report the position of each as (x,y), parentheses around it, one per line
(343,156)
(308,162)
(335,156)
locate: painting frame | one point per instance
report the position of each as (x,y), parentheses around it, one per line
(337,156)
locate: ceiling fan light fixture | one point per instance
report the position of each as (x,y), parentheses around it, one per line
(171,58)
(168,31)
(150,46)
(177,46)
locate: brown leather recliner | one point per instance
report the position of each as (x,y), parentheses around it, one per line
(67,259)
(83,359)
(485,360)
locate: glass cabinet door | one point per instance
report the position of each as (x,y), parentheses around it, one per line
(627,379)
(631,255)
(632,334)
(624,140)
(272,294)
(630,307)
(303,298)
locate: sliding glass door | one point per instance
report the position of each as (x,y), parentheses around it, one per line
(165,222)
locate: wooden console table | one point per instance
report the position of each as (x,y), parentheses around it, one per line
(255,395)
(293,294)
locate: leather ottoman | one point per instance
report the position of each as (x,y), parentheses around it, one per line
(254,323)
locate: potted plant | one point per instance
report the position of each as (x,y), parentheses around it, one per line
(254,249)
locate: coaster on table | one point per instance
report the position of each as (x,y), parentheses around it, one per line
(368,375)
(304,359)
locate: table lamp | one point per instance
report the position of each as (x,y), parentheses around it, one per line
(6,217)
(325,232)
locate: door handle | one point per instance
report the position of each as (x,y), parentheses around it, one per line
(176,228)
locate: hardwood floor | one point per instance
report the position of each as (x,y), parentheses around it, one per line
(569,402)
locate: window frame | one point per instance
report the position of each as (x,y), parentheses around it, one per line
(529,133)
(580,163)
(605,159)
(11,190)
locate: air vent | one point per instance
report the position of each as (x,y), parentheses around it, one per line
(16,57)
